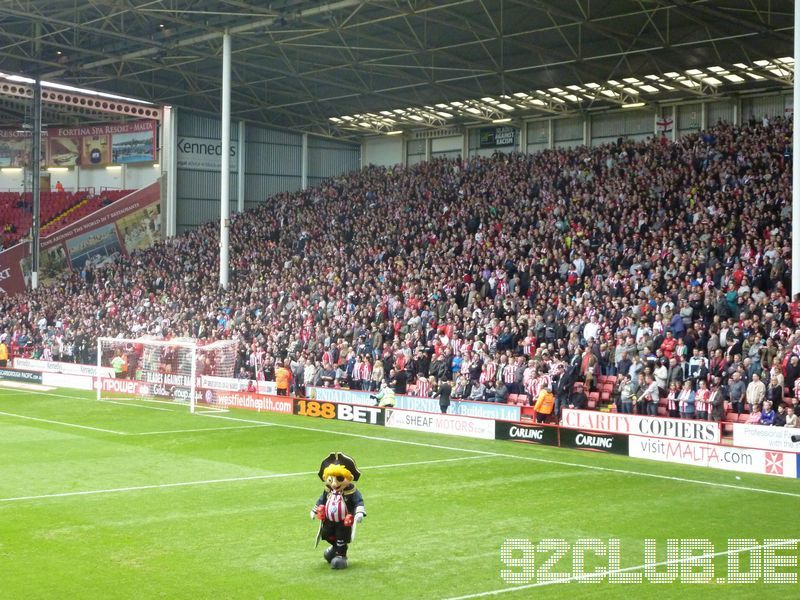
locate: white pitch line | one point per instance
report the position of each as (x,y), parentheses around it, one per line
(226,480)
(63,423)
(518,457)
(203,429)
(590,576)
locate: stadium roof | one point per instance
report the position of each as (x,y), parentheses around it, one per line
(358,66)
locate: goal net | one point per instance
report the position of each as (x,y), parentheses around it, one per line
(175,370)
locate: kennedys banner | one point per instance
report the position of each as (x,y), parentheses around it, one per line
(593,440)
(339,395)
(131,223)
(51,366)
(661,427)
(729,458)
(487,410)
(532,434)
(204,154)
(450,424)
(766,438)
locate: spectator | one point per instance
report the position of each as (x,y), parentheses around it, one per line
(686,401)
(478,392)
(385,396)
(755,392)
(774,392)
(717,401)
(736,393)
(672,400)
(791,418)
(755,416)
(780,417)
(702,396)
(767,414)
(443,393)
(626,395)
(650,396)
(578,399)
(544,405)
(283,378)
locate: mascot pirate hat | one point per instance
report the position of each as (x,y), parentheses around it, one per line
(338,458)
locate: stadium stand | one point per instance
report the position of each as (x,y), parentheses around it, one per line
(502,270)
(57,210)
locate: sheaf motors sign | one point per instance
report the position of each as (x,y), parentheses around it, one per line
(450,424)
(204,154)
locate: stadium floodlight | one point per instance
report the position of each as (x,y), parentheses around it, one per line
(164,370)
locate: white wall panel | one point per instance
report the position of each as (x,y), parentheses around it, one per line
(384,151)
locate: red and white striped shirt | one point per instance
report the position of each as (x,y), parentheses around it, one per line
(672,401)
(509,373)
(490,370)
(423,389)
(701,400)
(365,372)
(527,344)
(335,508)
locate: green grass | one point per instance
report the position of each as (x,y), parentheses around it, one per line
(239,528)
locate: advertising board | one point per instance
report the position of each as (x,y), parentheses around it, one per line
(471,427)
(530,434)
(615,443)
(729,458)
(354,413)
(660,427)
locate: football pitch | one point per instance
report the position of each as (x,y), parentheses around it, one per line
(145,500)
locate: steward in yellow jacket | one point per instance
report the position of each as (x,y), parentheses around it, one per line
(544,404)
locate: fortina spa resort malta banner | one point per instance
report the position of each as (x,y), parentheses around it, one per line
(91,145)
(129,224)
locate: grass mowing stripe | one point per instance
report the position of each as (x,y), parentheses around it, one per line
(137,405)
(529,458)
(227,480)
(100,429)
(591,576)
(203,429)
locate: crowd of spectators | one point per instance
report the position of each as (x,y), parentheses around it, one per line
(666,264)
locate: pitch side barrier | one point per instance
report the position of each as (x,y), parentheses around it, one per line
(466,408)
(757,449)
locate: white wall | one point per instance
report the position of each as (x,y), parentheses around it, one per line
(135,177)
(100,177)
(384,150)
(141,175)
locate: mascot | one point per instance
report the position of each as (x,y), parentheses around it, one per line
(340,508)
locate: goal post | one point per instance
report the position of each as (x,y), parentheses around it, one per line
(165,370)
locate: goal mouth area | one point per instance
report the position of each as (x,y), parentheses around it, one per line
(161,370)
